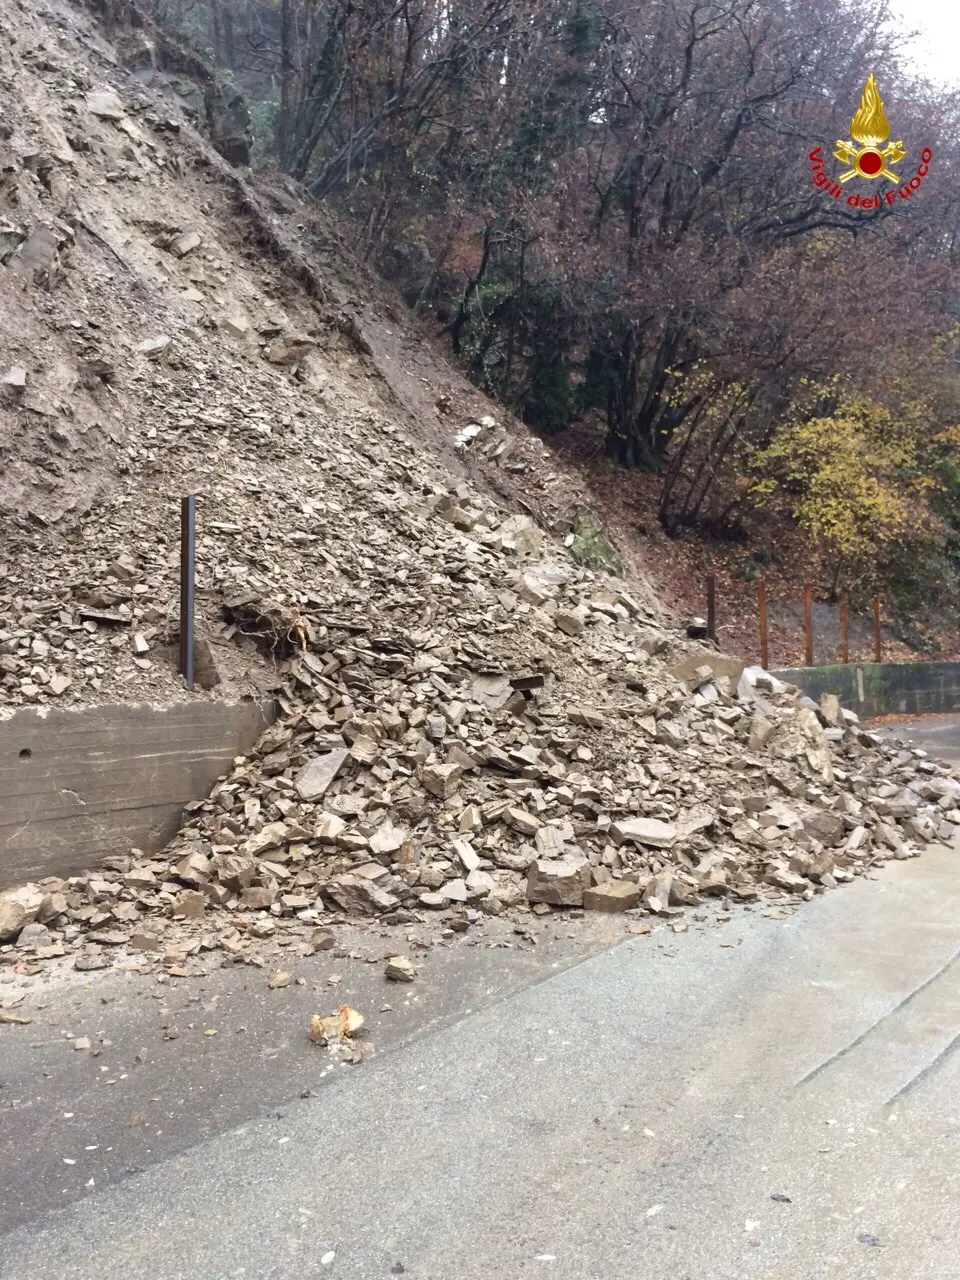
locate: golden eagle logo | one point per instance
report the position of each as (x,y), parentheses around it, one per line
(869,127)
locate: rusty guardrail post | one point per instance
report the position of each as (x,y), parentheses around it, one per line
(844,650)
(877,646)
(712,607)
(762,608)
(808,626)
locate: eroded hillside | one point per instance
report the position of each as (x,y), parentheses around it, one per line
(476,714)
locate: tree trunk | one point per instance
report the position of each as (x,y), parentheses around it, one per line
(640,434)
(675,469)
(431,283)
(217,31)
(284,116)
(229,39)
(463,311)
(621,404)
(512,334)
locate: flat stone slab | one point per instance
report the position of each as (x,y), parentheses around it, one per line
(650,832)
(316,775)
(615,895)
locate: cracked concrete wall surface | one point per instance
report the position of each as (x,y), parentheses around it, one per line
(76,785)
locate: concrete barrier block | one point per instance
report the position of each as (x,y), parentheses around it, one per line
(76,785)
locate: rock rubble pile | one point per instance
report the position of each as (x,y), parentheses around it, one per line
(499,731)
(476,717)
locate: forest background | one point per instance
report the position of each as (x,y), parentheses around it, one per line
(605,211)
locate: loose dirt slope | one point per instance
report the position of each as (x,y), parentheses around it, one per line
(162,333)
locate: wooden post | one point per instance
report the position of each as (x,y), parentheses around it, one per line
(808,625)
(877,648)
(844,651)
(712,607)
(762,607)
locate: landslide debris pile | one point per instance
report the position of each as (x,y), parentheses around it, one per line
(157,339)
(507,734)
(471,721)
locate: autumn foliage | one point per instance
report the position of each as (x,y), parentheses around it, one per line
(855,483)
(607,210)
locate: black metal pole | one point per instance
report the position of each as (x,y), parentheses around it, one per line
(188,562)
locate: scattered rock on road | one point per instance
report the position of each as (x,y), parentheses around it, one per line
(400,969)
(342,1025)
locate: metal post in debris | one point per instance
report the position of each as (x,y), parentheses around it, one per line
(188,564)
(712,607)
(844,650)
(762,606)
(808,625)
(877,648)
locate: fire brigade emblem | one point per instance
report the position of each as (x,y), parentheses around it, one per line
(870,129)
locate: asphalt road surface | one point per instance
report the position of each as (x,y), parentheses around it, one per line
(940,735)
(759,1097)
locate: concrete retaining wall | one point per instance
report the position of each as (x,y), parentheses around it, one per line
(884,688)
(76,785)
